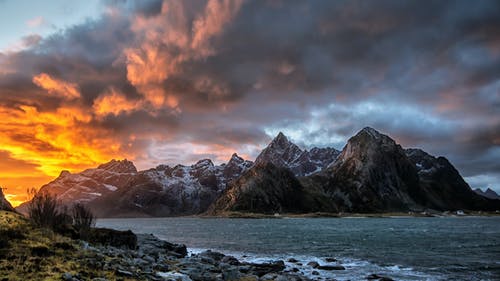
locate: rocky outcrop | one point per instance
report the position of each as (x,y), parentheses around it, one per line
(4,204)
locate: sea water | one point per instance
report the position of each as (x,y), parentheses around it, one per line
(446,248)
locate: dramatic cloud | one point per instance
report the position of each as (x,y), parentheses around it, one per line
(175,81)
(57,87)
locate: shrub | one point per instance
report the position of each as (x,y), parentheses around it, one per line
(45,211)
(82,217)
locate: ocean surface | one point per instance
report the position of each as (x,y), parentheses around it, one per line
(451,248)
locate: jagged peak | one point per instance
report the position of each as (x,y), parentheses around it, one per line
(280,140)
(236,158)
(119,166)
(370,131)
(369,135)
(204,162)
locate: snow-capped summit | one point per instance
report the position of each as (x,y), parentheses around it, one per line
(119,166)
(283,153)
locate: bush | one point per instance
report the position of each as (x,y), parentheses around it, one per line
(82,217)
(45,211)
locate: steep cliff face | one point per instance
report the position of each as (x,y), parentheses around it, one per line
(4,204)
(443,186)
(265,188)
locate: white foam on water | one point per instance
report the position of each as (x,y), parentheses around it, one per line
(355,269)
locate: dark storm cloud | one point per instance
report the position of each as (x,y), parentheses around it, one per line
(426,73)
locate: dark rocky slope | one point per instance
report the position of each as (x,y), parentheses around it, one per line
(266,188)
(372,174)
(443,187)
(4,204)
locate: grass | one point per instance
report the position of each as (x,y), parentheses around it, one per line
(31,253)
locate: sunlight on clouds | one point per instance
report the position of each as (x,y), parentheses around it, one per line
(54,140)
(114,103)
(57,87)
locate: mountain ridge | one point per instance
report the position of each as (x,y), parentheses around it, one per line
(372,173)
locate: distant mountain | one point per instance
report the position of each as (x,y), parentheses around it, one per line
(4,204)
(443,187)
(172,191)
(118,189)
(90,184)
(282,153)
(489,193)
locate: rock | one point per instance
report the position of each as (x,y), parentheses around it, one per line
(213,255)
(230,260)
(292,260)
(378,277)
(331,267)
(231,275)
(269,276)
(174,276)
(67,276)
(124,273)
(313,264)
(331,260)
(152,246)
(315,272)
(111,237)
(295,269)
(261,269)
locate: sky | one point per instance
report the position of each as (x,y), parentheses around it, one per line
(84,82)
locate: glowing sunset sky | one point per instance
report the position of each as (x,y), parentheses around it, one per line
(83,82)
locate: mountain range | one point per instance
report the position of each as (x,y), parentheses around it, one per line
(489,193)
(372,173)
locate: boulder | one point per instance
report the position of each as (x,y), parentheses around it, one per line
(111,237)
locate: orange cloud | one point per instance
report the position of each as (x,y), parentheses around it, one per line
(56,87)
(114,103)
(169,39)
(217,14)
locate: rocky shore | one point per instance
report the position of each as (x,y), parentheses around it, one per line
(155,259)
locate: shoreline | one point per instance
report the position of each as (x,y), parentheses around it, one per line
(247,215)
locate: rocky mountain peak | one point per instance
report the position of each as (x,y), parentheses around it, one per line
(235,158)
(281,152)
(280,140)
(204,164)
(368,141)
(119,166)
